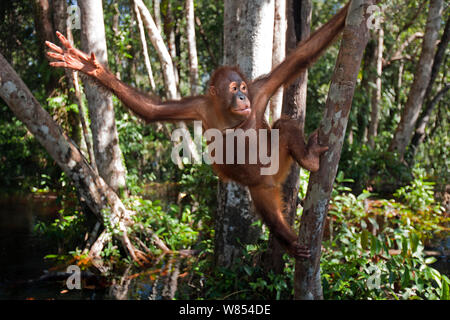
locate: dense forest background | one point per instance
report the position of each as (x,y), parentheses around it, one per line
(386,234)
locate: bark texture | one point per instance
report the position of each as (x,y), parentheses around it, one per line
(108,156)
(233,223)
(307,284)
(278,53)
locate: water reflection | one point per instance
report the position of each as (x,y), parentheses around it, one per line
(21,252)
(160,282)
(25,274)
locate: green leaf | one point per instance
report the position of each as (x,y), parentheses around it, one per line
(436,276)
(248,270)
(445,290)
(430,260)
(365,239)
(51,256)
(404,247)
(373,247)
(414,239)
(406,277)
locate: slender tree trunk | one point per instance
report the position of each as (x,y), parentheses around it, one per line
(59,14)
(367,77)
(249,22)
(44,25)
(115,28)
(97,194)
(422,77)
(169,26)
(157,13)
(424,118)
(148,65)
(167,67)
(161,49)
(298,14)
(45,31)
(83,120)
(419,135)
(278,53)
(331,133)
(401,69)
(192,48)
(108,156)
(438,58)
(376,92)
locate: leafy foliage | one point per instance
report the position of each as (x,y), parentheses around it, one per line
(373,249)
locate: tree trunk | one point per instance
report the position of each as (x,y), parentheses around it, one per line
(59,13)
(148,65)
(249,22)
(331,133)
(96,193)
(45,31)
(157,13)
(83,120)
(422,76)
(298,15)
(438,58)
(115,28)
(419,135)
(169,25)
(233,223)
(192,48)
(376,92)
(168,70)
(278,53)
(108,156)
(44,25)
(161,50)
(424,118)
(256,21)
(367,77)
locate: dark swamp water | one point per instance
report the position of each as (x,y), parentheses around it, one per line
(26,275)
